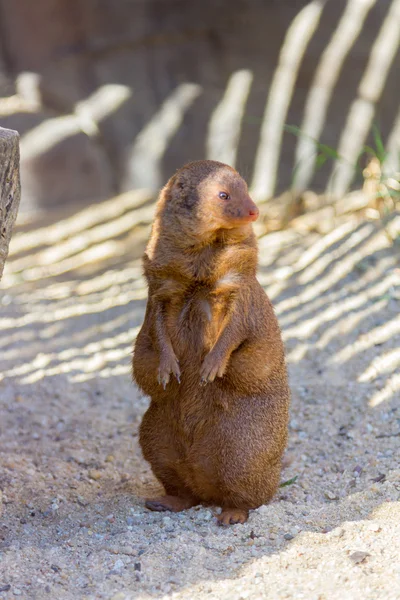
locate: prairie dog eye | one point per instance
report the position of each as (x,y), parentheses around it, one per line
(224,196)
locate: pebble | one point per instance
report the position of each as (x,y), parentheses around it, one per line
(168,524)
(82,501)
(203,515)
(331,495)
(288,536)
(338,532)
(264,509)
(358,557)
(17,592)
(207,516)
(118,565)
(94,474)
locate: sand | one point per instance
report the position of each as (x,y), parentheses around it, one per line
(73,480)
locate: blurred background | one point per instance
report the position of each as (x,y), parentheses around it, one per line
(113,96)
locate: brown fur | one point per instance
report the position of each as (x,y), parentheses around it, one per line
(209,353)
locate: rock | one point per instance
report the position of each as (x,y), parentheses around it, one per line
(338,532)
(118,565)
(331,495)
(81,500)
(203,515)
(10,188)
(128,550)
(5,588)
(168,524)
(94,474)
(358,557)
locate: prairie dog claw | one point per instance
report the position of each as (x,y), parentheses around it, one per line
(168,364)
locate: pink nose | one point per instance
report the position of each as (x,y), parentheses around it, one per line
(253,213)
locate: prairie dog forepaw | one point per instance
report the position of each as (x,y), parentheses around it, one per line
(211,368)
(168,364)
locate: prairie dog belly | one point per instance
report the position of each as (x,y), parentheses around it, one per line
(195,322)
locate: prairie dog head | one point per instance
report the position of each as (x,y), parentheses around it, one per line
(207,196)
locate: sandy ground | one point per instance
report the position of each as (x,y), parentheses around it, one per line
(73,522)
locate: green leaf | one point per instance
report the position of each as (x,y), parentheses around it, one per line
(323,148)
(295,130)
(380,148)
(321,160)
(331,152)
(289,481)
(368,150)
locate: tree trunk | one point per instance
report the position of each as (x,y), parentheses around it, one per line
(10,188)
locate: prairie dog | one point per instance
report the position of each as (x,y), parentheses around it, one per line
(210,353)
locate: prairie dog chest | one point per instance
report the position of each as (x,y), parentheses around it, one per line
(203,305)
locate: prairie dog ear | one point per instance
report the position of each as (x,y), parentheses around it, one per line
(179,193)
(168,192)
(177,183)
(182,191)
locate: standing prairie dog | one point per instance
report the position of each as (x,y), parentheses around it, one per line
(210,353)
